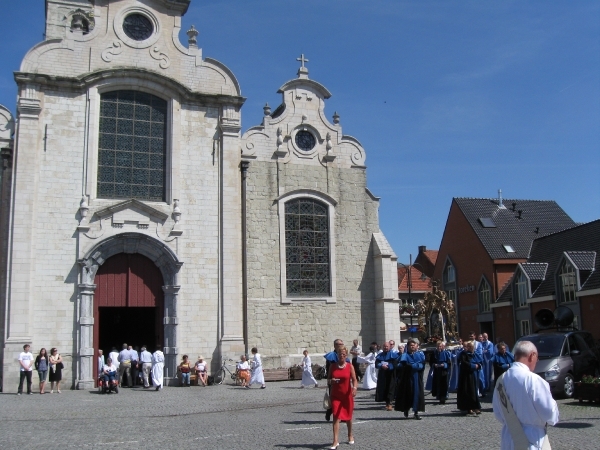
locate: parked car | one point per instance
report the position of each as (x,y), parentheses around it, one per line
(564,358)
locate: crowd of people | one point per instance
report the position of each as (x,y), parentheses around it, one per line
(398,378)
(131,366)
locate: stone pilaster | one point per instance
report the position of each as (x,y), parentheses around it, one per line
(170,333)
(232,341)
(85,379)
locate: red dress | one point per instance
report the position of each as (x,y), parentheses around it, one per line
(342,402)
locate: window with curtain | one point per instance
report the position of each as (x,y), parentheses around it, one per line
(568,282)
(132,146)
(484,295)
(307,248)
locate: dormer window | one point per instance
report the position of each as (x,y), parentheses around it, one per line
(567,280)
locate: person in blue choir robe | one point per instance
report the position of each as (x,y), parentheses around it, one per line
(488,354)
(455,366)
(441,363)
(467,398)
(502,360)
(478,358)
(409,391)
(385,363)
(332,358)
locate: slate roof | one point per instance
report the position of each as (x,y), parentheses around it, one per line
(537,218)
(535,271)
(581,243)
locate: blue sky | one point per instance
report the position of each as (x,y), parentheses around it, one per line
(449,98)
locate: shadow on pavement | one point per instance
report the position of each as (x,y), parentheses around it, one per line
(573,425)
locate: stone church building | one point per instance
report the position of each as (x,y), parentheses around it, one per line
(134,209)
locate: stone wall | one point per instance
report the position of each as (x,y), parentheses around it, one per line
(283,331)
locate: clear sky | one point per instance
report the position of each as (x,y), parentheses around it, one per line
(448,98)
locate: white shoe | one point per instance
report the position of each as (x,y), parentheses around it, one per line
(52,391)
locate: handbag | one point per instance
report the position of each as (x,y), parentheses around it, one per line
(60,366)
(326,401)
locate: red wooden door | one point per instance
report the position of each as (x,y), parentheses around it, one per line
(128,281)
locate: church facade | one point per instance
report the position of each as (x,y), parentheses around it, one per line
(135,210)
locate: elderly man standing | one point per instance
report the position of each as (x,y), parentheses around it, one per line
(124,366)
(523,403)
(488,354)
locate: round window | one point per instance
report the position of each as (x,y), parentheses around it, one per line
(138,27)
(305,140)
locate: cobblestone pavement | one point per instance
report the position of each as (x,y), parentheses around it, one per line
(279,417)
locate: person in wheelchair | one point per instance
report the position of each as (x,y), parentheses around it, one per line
(109,378)
(243,371)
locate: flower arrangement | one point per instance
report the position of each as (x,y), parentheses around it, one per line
(588,379)
(434,339)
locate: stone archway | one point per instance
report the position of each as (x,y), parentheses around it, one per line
(167,262)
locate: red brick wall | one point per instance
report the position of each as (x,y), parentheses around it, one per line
(590,314)
(470,260)
(504,325)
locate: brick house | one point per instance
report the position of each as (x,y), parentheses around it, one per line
(563,269)
(483,242)
(426,259)
(412,286)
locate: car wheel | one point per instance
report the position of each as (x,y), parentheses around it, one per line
(568,386)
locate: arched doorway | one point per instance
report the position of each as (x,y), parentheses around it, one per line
(128,303)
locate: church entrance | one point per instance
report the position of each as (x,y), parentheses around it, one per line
(128,304)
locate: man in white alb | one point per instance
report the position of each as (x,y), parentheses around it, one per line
(158,366)
(520,392)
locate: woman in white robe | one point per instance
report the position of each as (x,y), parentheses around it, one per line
(370,376)
(257,370)
(307,376)
(158,365)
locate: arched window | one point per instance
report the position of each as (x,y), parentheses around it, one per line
(132,146)
(521,289)
(567,282)
(307,248)
(484,295)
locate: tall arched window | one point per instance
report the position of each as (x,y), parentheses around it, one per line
(521,289)
(568,282)
(484,295)
(307,248)
(132,146)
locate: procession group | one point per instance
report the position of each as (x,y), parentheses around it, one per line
(522,400)
(129,366)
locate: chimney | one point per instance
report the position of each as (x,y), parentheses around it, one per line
(422,249)
(500,205)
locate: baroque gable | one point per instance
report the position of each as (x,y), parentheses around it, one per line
(298,131)
(84,38)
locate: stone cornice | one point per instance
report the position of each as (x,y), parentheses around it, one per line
(86,81)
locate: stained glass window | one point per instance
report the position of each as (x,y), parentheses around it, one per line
(131,153)
(307,248)
(138,27)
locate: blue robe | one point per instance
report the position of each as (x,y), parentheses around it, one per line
(386,378)
(502,363)
(455,369)
(410,383)
(488,354)
(478,359)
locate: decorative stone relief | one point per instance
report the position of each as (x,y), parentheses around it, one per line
(155,53)
(82,21)
(113,50)
(329,156)
(176,231)
(192,37)
(281,151)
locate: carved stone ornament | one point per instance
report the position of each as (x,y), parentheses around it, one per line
(83,21)
(192,35)
(176,231)
(328,146)
(155,53)
(113,50)
(281,151)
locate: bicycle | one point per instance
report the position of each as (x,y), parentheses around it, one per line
(223,371)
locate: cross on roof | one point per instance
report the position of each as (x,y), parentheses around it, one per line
(302,59)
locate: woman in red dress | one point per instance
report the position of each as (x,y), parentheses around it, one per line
(343,382)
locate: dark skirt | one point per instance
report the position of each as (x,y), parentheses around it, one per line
(466,397)
(384,392)
(408,382)
(439,384)
(55,375)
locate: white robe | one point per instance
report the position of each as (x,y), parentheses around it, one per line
(532,401)
(307,377)
(370,375)
(158,365)
(257,371)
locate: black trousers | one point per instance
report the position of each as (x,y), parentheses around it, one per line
(23,375)
(356,368)
(134,373)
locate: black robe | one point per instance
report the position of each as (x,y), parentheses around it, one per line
(410,382)
(384,392)
(439,383)
(467,398)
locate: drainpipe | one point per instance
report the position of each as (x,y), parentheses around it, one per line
(244,167)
